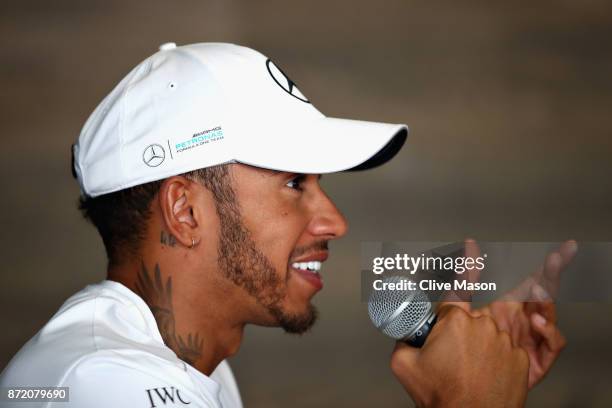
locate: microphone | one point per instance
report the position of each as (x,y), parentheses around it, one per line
(405,315)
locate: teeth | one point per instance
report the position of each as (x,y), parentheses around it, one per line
(312,266)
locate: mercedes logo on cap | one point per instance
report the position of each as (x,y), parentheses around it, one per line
(284,82)
(153,155)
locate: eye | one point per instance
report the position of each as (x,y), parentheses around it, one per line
(296,182)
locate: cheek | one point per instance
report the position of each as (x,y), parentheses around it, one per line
(276,234)
(275,218)
(279,238)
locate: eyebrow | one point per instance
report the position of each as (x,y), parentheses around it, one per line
(278,172)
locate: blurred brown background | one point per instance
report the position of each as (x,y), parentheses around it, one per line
(509,106)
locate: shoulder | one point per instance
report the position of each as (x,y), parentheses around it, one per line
(89,323)
(103,345)
(111,379)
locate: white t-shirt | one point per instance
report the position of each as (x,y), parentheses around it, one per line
(105,346)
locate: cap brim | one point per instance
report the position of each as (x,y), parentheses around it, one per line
(324,145)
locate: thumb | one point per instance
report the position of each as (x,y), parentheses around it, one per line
(404,361)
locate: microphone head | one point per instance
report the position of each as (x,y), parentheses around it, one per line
(399,314)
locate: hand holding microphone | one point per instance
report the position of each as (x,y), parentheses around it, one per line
(466,362)
(469,358)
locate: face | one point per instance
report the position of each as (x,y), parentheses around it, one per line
(273,241)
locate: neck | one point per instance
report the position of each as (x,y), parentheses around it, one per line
(188,306)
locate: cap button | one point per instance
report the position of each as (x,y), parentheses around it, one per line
(167,46)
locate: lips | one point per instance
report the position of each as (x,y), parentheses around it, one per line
(308,268)
(317,256)
(311,277)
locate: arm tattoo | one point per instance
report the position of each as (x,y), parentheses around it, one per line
(158,295)
(167,239)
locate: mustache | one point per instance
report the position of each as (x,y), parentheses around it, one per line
(318,246)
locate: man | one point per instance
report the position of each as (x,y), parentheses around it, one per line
(201,172)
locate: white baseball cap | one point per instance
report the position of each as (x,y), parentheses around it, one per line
(201,105)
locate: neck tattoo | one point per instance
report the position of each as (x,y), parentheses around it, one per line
(158,296)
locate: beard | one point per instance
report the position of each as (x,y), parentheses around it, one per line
(246,266)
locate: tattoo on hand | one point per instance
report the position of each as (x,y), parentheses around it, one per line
(167,239)
(158,295)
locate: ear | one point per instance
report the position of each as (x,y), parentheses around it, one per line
(176,200)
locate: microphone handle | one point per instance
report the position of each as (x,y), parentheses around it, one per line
(418,339)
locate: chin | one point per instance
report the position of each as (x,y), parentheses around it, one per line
(299,322)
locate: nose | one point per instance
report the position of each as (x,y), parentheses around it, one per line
(327,221)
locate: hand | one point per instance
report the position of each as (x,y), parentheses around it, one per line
(528,313)
(465,362)
(532,324)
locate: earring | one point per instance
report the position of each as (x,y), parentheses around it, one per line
(193,243)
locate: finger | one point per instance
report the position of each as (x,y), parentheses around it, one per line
(463,298)
(539,294)
(403,347)
(543,284)
(553,265)
(522,292)
(453,300)
(568,250)
(544,354)
(545,308)
(547,278)
(553,339)
(403,359)
(448,307)
(472,250)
